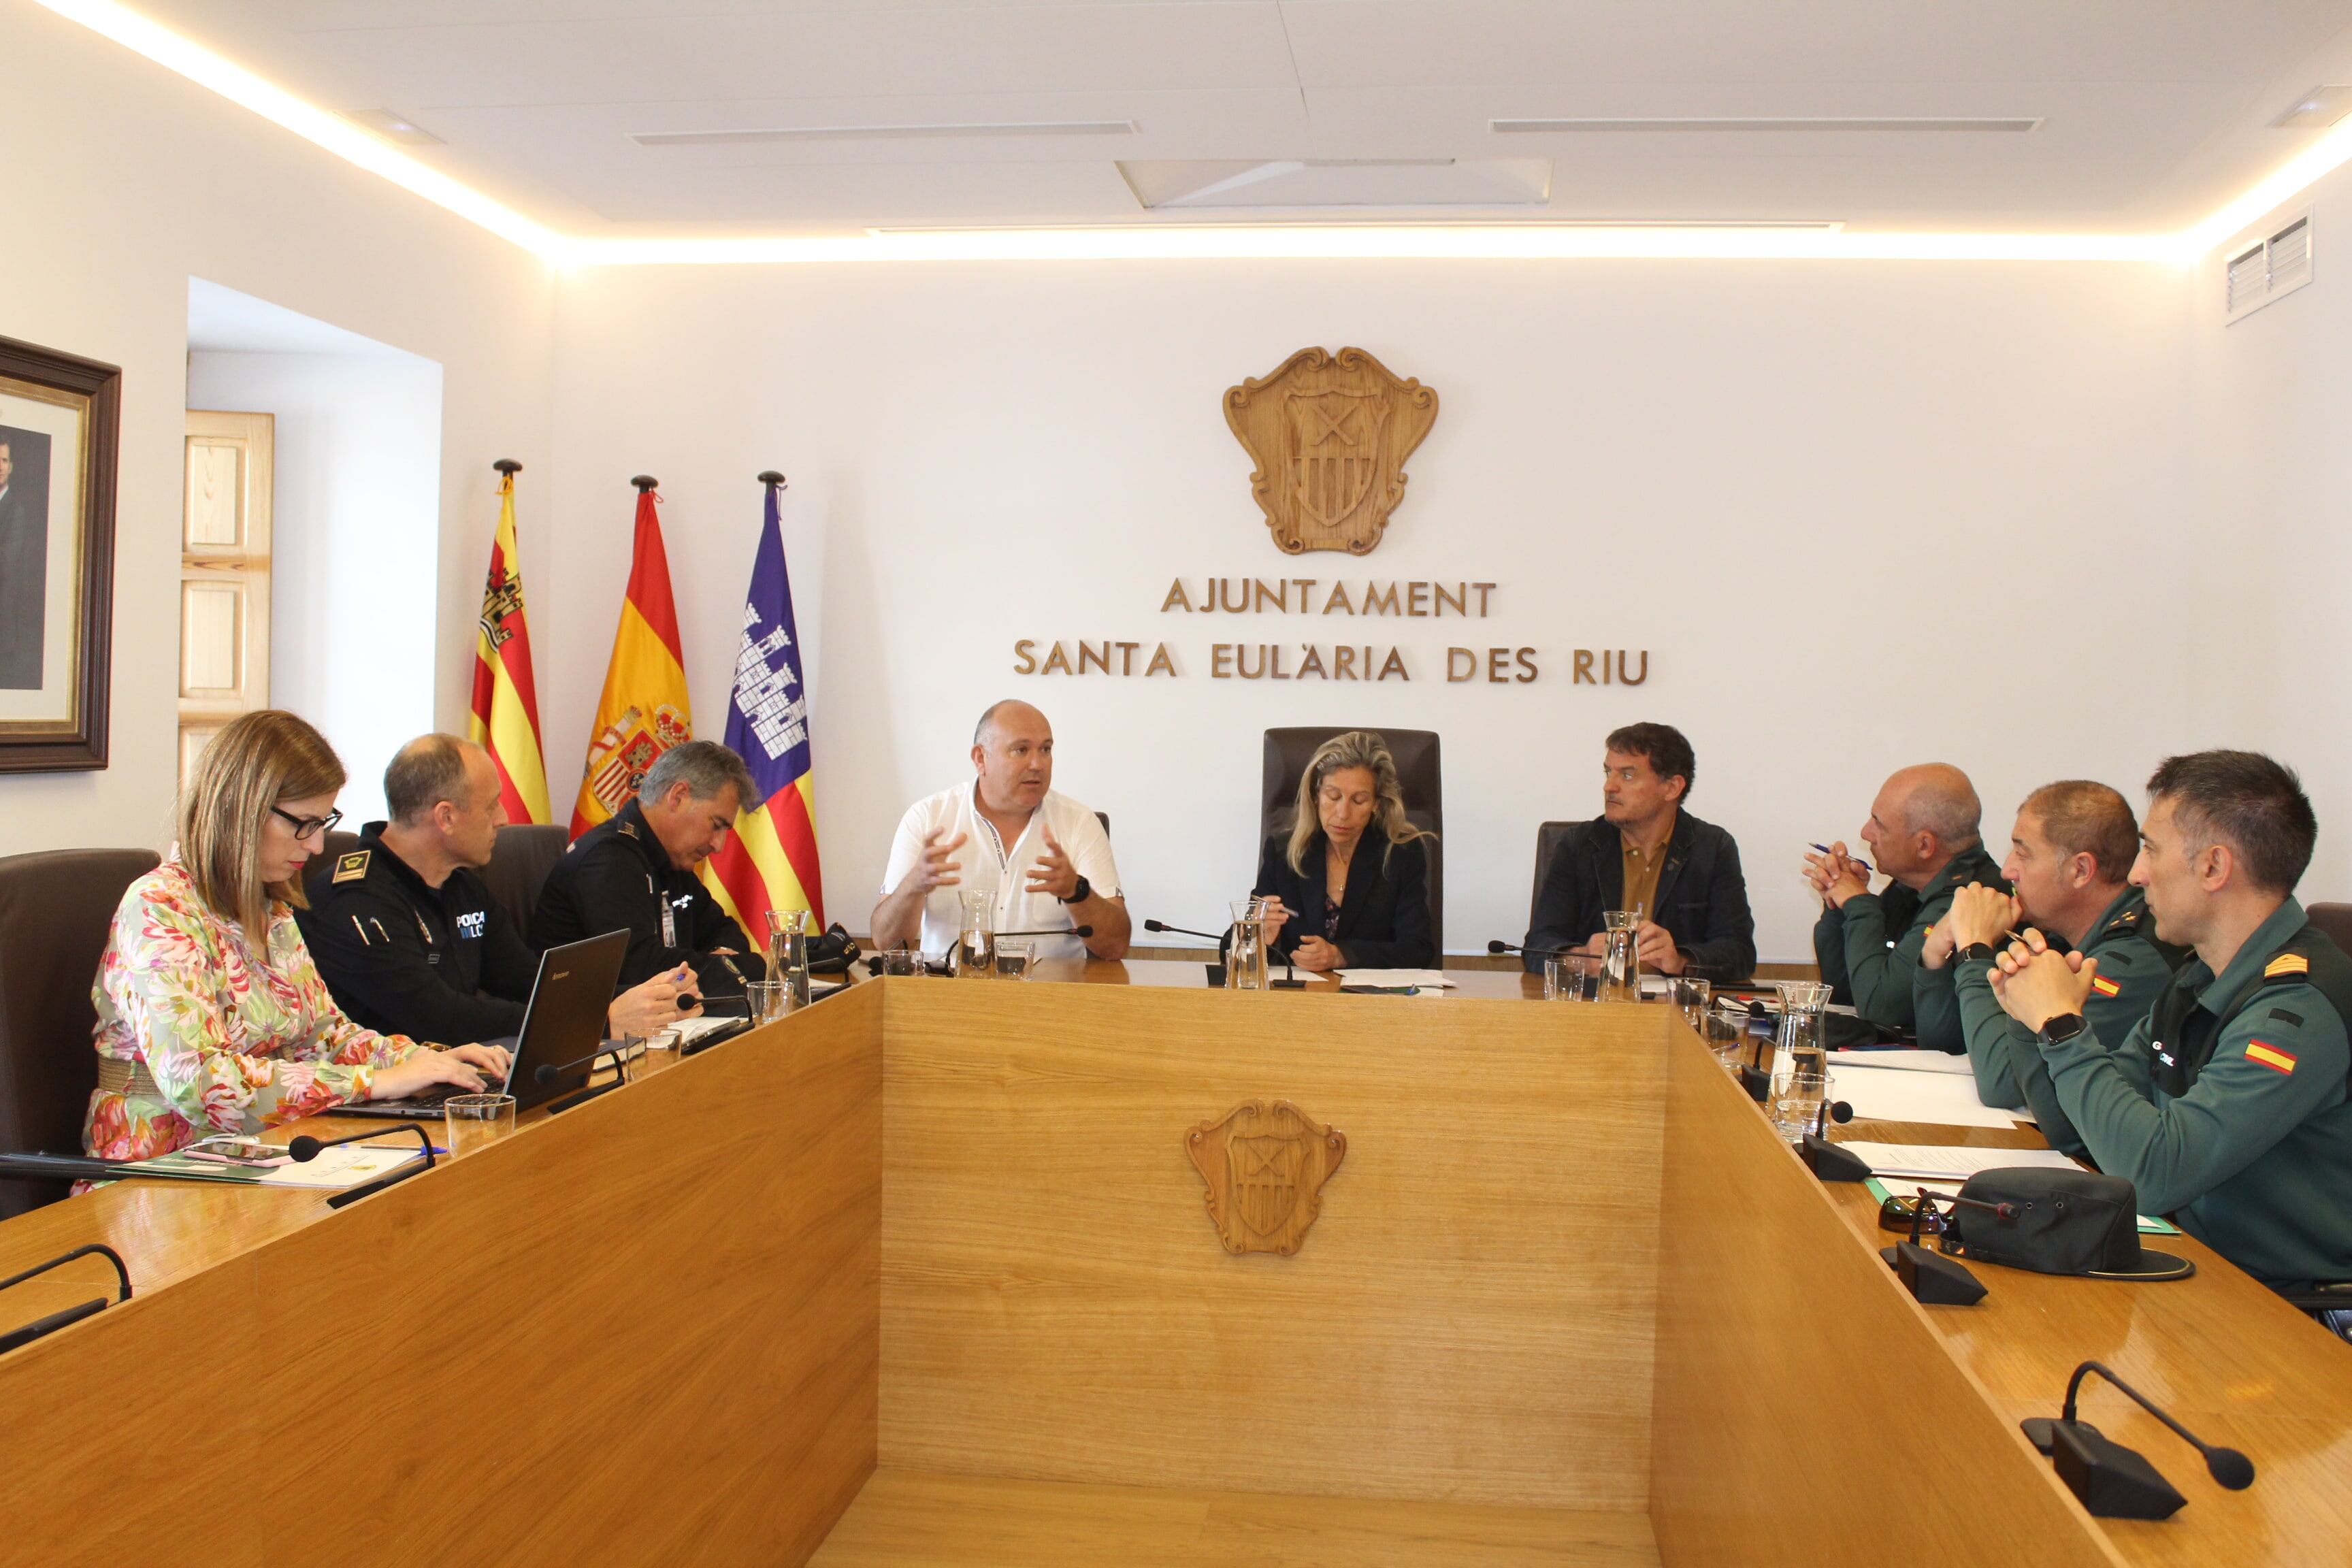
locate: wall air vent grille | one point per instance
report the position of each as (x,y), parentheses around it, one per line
(2262,271)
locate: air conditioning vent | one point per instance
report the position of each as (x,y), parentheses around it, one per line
(2262,271)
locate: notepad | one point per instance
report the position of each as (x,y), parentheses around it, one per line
(1890,1094)
(1427,979)
(1951,1162)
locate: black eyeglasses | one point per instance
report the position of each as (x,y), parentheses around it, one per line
(304,827)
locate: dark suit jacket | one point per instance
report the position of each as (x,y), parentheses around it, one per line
(23,559)
(1383,917)
(1702,898)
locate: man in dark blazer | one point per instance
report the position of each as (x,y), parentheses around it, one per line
(23,559)
(1683,873)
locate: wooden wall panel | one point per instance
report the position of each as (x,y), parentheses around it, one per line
(1806,1412)
(1469,1319)
(643,1331)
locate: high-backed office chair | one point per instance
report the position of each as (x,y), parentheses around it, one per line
(1288,753)
(55,911)
(520,861)
(2335,921)
(1550,838)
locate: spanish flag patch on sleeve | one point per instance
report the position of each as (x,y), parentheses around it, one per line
(2105,986)
(2270,1056)
(2286,963)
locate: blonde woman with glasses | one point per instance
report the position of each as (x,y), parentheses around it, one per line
(1350,880)
(211,1018)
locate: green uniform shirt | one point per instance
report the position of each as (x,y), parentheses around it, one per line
(2254,1159)
(1869,950)
(2003,1053)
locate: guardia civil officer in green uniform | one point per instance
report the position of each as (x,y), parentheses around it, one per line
(635,872)
(2227,1106)
(407,938)
(2069,854)
(1923,832)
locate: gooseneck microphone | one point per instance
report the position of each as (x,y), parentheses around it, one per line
(1498,946)
(2116,1482)
(306,1148)
(74,1314)
(1179,930)
(1081,932)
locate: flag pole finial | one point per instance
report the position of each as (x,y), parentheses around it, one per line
(644,481)
(508,467)
(769,476)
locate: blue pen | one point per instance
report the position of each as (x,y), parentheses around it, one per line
(1855,858)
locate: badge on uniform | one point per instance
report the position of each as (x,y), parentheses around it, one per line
(670,924)
(2271,1056)
(2105,986)
(2286,963)
(351,867)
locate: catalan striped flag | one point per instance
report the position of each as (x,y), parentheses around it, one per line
(643,711)
(770,862)
(506,697)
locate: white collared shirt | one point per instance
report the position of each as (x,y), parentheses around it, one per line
(986,863)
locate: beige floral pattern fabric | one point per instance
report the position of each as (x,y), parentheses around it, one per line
(235,1040)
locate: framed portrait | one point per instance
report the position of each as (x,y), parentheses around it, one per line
(60,420)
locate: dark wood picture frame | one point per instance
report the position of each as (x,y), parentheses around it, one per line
(79,743)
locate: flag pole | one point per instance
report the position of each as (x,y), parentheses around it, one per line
(644,482)
(508,467)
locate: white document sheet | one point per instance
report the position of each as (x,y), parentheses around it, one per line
(1427,979)
(347,1167)
(1890,1094)
(1949,1163)
(1900,1061)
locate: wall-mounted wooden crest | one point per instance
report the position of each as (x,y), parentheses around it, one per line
(1330,434)
(1265,1165)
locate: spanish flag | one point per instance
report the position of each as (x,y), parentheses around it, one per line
(771,861)
(644,710)
(506,697)
(2105,986)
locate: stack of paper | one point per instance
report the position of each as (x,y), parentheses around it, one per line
(1425,979)
(1950,1163)
(1894,1094)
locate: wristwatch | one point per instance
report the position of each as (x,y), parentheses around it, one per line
(2061,1028)
(1081,893)
(1974,950)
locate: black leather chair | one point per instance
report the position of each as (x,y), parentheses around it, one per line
(520,862)
(56,908)
(1288,753)
(1549,837)
(2335,921)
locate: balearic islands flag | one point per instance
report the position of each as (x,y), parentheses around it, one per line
(644,710)
(770,862)
(506,697)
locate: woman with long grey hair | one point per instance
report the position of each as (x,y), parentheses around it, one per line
(1350,880)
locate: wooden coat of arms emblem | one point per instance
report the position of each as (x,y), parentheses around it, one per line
(1265,1165)
(1330,434)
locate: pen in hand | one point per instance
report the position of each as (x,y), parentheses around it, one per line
(1855,858)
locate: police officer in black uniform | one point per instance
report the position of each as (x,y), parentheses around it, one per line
(406,937)
(635,872)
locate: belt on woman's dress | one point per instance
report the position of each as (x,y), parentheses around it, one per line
(116,1075)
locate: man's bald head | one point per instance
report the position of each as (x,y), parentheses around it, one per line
(1014,713)
(1923,816)
(1012,753)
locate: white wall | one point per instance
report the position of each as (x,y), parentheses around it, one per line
(130,181)
(1861,514)
(355,546)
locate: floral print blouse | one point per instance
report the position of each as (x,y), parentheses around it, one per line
(235,1040)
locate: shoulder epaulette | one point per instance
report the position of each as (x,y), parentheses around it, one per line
(628,828)
(2287,966)
(351,867)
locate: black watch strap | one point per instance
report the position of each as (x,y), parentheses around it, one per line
(1976,951)
(2064,1027)
(1081,893)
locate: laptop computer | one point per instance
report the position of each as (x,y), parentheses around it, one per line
(563,1025)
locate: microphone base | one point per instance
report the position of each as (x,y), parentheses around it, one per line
(369,1189)
(1216,975)
(2111,1480)
(582,1098)
(1933,1281)
(1286,985)
(1832,1164)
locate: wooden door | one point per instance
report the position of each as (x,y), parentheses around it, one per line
(223,574)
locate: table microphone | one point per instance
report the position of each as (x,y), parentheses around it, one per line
(1498,947)
(307,1147)
(1179,930)
(1081,932)
(2116,1482)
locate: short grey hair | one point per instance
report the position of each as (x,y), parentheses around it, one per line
(705,767)
(1947,807)
(422,775)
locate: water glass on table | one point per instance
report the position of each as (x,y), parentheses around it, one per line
(902,961)
(1012,959)
(765,1001)
(1692,996)
(1572,977)
(475,1121)
(1727,1039)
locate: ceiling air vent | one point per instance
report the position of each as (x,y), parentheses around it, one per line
(2261,272)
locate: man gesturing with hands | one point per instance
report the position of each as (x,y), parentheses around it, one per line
(1042,858)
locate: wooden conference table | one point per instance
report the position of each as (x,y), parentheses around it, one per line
(923,1275)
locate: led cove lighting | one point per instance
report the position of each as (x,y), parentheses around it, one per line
(1190,242)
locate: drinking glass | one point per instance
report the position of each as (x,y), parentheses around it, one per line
(1245,953)
(1727,1039)
(1572,977)
(1621,973)
(765,1001)
(788,952)
(1691,996)
(1012,959)
(902,961)
(475,1121)
(975,952)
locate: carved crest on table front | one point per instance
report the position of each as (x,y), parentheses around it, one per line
(1330,434)
(1265,1164)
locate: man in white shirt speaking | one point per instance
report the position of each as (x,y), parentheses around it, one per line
(1044,859)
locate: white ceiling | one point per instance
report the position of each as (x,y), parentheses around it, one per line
(2153,112)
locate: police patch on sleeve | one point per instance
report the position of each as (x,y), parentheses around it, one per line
(2271,1056)
(351,867)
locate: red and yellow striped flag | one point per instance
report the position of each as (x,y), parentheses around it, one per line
(506,697)
(644,710)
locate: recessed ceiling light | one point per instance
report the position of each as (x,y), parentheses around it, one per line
(869,132)
(2317,109)
(397,129)
(1773,122)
